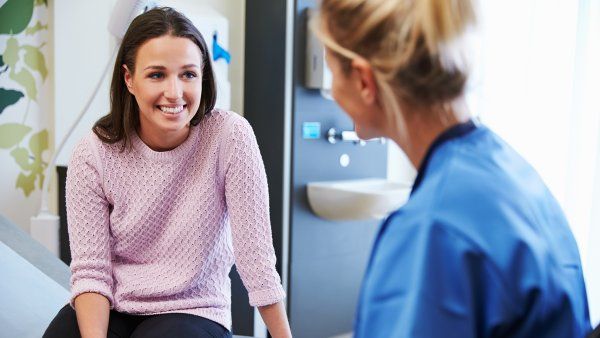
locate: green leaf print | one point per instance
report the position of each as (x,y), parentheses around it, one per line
(30,160)
(34,29)
(26,183)
(1,61)
(25,79)
(15,16)
(9,97)
(40,175)
(35,60)
(21,156)
(11,53)
(38,143)
(12,133)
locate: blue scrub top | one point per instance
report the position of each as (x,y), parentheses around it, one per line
(481,249)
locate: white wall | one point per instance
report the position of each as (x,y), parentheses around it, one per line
(399,168)
(82,49)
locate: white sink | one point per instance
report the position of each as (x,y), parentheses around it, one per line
(370,198)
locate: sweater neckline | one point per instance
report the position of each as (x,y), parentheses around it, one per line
(177,152)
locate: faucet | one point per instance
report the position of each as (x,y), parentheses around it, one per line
(333,136)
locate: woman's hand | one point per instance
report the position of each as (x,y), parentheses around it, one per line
(92,311)
(276,319)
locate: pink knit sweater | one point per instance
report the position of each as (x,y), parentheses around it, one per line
(158,232)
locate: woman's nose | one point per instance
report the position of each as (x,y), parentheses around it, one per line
(173,89)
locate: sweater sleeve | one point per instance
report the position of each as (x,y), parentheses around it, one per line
(247,198)
(88,224)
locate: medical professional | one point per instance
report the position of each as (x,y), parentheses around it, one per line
(163,197)
(481,248)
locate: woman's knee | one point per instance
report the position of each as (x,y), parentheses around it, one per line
(64,324)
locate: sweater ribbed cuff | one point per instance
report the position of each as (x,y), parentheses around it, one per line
(91,285)
(266,297)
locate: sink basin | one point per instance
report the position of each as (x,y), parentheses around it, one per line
(370,198)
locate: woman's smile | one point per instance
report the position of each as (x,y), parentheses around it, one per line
(172,110)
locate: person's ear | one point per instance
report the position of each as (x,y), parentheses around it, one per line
(365,80)
(128,79)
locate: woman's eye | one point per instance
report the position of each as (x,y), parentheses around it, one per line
(155,75)
(189,75)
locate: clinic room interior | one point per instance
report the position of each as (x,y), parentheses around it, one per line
(305,168)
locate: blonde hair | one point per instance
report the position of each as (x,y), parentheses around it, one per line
(413,46)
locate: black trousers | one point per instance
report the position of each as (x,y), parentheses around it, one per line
(121,325)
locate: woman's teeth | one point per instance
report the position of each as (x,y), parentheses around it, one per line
(171,110)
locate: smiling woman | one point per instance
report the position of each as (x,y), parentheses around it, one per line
(156,54)
(167,84)
(157,200)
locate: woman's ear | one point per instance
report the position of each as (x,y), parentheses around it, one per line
(128,79)
(365,80)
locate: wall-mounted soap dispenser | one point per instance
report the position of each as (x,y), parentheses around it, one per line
(317,74)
